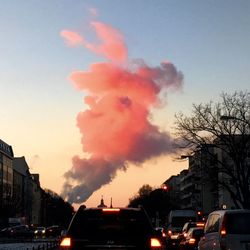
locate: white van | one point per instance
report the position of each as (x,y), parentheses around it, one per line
(227,230)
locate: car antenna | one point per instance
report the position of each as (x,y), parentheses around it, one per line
(111,205)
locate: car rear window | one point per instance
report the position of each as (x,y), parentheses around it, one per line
(180,221)
(89,223)
(237,223)
(198,232)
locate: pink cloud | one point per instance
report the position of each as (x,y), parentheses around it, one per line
(72,38)
(116,127)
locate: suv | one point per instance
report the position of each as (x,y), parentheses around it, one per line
(227,229)
(111,228)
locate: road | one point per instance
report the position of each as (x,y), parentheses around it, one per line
(34,245)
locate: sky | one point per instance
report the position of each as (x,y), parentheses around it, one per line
(137,63)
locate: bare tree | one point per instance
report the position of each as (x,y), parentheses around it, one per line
(225,126)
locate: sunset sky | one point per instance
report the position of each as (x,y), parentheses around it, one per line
(89,89)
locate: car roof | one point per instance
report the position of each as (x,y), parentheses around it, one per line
(110,208)
(196,229)
(190,223)
(230,211)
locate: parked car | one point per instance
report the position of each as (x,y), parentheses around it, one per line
(190,242)
(53,231)
(111,228)
(227,229)
(39,232)
(18,231)
(4,232)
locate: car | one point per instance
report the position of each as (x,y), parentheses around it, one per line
(186,228)
(53,231)
(19,231)
(227,229)
(162,230)
(39,232)
(111,228)
(190,242)
(174,224)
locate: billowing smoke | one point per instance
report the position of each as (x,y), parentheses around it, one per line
(116,128)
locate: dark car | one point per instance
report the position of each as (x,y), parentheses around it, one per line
(111,228)
(18,231)
(53,231)
(190,242)
(39,232)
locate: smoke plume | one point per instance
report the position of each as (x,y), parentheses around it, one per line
(115,128)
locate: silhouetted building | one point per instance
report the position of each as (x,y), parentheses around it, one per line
(27,195)
(102,203)
(6,181)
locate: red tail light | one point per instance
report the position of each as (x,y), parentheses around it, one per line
(191,241)
(155,243)
(111,209)
(65,243)
(223,232)
(200,224)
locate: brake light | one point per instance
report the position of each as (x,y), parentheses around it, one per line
(155,243)
(223,232)
(169,232)
(164,234)
(191,241)
(111,209)
(185,235)
(200,224)
(66,242)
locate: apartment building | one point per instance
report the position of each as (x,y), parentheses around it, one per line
(6,179)
(27,195)
(199,187)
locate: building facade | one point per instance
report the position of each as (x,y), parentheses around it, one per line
(6,180)
(200,186)
(27,195)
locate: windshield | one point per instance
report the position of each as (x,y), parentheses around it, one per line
(90,223)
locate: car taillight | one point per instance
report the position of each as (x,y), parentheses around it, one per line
(191,241)
(223,232)
(169,232)
(66,242)
(111,209)
(200,224)
(155,243)
(185,235)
